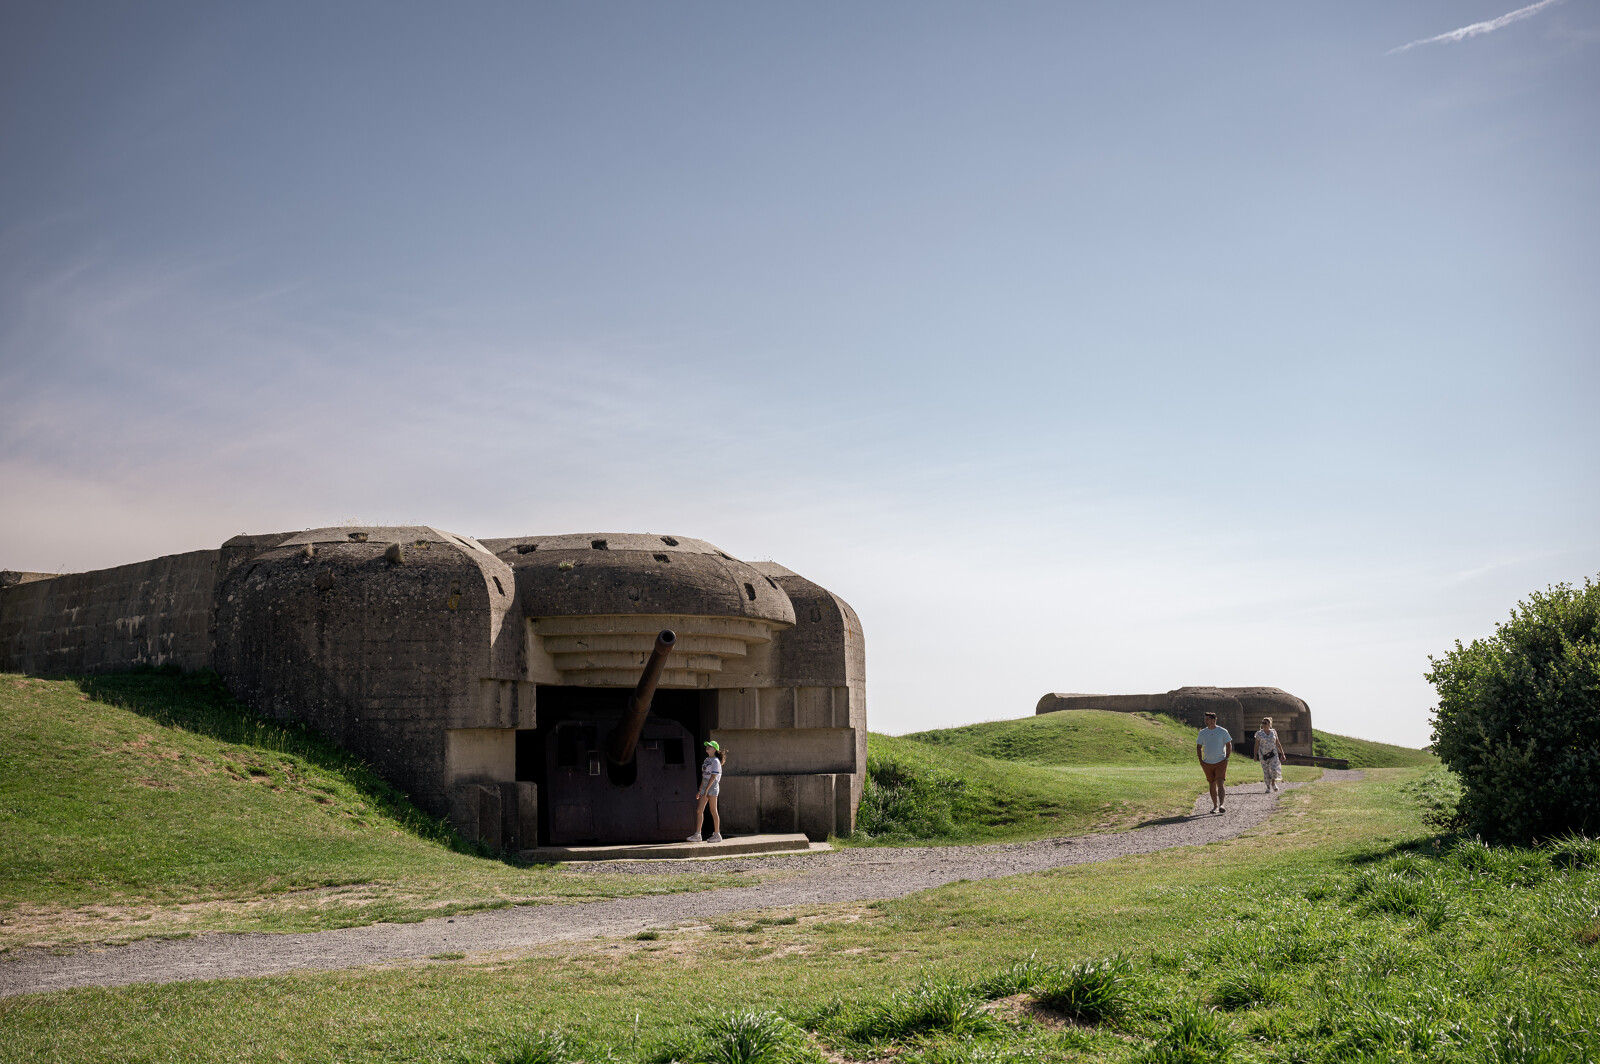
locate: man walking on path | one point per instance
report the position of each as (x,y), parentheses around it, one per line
(1213,747)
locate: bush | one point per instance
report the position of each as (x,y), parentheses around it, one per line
(1518,719)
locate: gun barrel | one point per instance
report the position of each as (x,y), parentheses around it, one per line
(624,737)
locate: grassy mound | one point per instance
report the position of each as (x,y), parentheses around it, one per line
(1100,737)
(1073,737)
(1364,753)
(155,800)
(927,792)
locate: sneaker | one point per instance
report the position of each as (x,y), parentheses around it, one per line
(716,836)
(1222,809)
(693,838)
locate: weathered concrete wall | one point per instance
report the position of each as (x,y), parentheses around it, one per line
(818,672)
(419,650)
(384,657)
(149,613)
(1238,709)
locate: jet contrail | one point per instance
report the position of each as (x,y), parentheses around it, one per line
(1477,29)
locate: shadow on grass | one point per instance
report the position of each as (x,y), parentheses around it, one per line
(199,702)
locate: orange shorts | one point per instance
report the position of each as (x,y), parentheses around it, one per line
(1217,773)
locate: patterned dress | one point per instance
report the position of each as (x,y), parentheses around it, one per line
(1267,749)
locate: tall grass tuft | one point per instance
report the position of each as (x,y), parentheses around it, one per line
(1091,991)
(928,1007)
(1015,978)
(1575,852)
(1539,1033)
(546,1047)
(1192,1036)
(1248,988)
(745,1036)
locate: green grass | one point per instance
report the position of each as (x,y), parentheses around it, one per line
(922,791)
(1293,943)
(1364,753)
(1073,737)
(1101,737)
(152,803)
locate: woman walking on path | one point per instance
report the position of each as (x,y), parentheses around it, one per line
(1268,751)
(710,786)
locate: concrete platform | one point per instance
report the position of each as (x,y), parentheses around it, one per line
(676,851)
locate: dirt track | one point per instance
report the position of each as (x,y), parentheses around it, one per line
(841,876)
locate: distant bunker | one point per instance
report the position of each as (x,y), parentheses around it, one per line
(491,681)
(1238,709)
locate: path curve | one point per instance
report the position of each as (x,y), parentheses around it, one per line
(824,878)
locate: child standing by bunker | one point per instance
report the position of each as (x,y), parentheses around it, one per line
(710,786)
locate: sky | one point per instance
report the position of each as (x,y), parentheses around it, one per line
(1080,347)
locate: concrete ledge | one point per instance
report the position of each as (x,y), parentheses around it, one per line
(674,851)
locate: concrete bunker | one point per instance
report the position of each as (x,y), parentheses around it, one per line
(1238,709)
(483,677)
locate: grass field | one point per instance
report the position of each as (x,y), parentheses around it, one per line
(1054,774)
(151,803)
(1342,930)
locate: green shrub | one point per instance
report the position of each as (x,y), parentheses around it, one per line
(1091,991)
(1518,719)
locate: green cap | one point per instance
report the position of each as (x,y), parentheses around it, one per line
(712,744)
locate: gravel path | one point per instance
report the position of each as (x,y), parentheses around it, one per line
(824,878)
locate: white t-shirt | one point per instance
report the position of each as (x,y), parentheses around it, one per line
(711,766)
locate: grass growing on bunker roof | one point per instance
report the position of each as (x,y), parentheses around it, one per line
(153,803)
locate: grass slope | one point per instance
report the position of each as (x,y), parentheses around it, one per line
(1100,737)
(1342,930)
(153,803)
(1073,737)
(1364,753)
(931,792)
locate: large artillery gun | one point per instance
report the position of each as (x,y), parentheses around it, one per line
(623,779)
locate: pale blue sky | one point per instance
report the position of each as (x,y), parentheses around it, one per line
(1087,348)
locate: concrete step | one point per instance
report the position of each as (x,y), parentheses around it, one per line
(730,846)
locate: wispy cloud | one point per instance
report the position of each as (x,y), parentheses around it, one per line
(1478,29)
